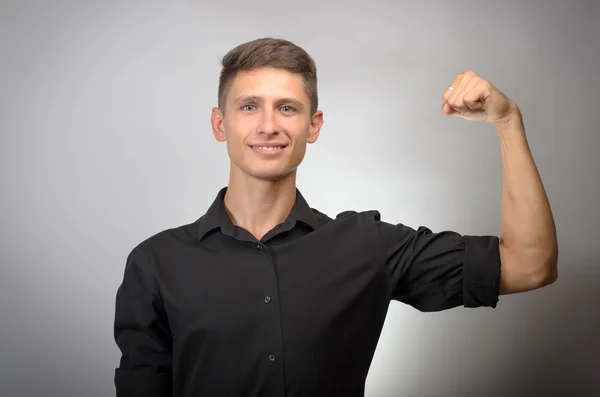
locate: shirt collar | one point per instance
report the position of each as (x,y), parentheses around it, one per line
(217,217)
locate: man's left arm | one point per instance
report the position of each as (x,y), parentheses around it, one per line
(528,242)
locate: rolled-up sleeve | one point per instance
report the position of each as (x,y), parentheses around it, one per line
(437,271)
(142,334)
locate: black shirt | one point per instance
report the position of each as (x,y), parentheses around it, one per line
(206,309)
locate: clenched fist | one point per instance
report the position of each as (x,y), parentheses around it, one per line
(474,98)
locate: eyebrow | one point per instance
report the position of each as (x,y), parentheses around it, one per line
(256,98)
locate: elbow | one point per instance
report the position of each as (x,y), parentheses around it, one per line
(527,269)
(545,278)
(548,270)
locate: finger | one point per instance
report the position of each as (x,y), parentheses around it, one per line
(457,92)
(447,109)
(452,87)
(460,103)
(476,97)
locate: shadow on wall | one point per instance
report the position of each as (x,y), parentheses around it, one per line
(558,336)
(541,343)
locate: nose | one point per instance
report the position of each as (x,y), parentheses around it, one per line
(268,123)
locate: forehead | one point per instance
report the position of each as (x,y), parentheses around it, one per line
(269,83)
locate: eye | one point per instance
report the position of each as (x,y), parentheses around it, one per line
(248,108)
(287,108)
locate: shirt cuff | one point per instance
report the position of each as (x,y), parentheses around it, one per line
(143,384)
(481,273)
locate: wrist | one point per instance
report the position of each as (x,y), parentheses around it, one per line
(511,125)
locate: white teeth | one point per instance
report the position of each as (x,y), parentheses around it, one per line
(268,148)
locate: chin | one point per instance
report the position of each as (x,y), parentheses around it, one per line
(271,174)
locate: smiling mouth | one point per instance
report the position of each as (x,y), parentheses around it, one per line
(268,148)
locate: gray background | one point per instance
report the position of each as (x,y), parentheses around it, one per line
(105,140)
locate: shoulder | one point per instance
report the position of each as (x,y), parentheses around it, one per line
(348,218)
(368,215)
(164,239)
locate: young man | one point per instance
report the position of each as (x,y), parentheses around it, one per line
(264,296)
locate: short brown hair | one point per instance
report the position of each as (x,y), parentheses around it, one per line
(269,52)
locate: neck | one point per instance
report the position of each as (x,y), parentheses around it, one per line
(258,205)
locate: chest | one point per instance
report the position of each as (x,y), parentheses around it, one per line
(308,283)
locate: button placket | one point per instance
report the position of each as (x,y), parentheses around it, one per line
(267,299)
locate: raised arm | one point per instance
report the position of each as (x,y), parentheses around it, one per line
(528,242)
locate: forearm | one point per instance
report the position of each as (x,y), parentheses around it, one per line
(528,233)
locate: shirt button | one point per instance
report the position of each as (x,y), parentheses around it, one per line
(259,246)
(272,357)
(267,299)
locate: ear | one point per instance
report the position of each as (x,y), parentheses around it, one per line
(316,123)
(216,120)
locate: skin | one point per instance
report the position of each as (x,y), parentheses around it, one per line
(528,241)
(264,106)
(271,106)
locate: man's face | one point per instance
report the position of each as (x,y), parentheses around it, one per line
(267,123)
